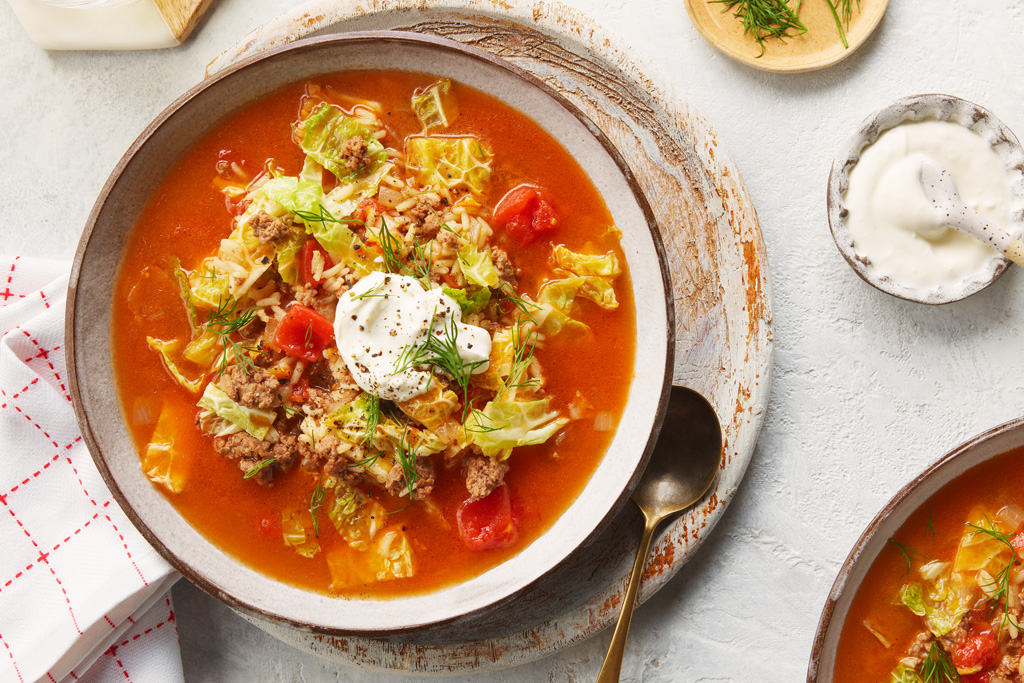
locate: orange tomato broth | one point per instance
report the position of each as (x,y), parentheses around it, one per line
(860,655)
(186,217)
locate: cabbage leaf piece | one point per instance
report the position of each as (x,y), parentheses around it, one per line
(449,162)
(168,349)
(477,266)
(943,598)
(503,425)
(185,289)
(469,302)
(216,403)
(389,557)
(355,516)
(431,408)
(297,534)
(205,350)
(238,264)
(435,106)
(327,129)
(562,293)
(584,264)
(161,461)
(501,359)
(905,674)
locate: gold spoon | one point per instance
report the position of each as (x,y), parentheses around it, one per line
(682,468)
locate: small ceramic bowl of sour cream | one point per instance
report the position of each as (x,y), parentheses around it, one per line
(881,220)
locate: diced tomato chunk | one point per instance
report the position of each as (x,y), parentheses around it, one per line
(516,201)
(311,247)
(544,219)
(1018,541)
(269,528)
(978,647)
(304,333)
(300,390)
(526,213)
(488,522)
(363,210)
(980,677)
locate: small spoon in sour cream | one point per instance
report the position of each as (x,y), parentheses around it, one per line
(952,211)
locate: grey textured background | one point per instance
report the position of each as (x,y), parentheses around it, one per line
(867,389)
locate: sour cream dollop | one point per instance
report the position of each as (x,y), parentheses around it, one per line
(895,225)
(384,316)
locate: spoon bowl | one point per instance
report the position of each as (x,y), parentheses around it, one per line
(683,467)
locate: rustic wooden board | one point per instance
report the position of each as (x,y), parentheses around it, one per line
(722,304)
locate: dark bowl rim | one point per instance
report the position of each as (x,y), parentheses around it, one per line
(395,37)
(839,586)
(841,166)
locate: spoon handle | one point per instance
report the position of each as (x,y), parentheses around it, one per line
(613,659)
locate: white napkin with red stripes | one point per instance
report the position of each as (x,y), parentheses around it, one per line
(82,595)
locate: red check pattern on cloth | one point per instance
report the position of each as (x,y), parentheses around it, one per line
(83,597)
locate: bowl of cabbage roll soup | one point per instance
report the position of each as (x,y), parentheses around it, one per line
(933,589)
(370,333)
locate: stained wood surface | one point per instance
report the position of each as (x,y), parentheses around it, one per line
(722,303)
(182,15)
(821,46)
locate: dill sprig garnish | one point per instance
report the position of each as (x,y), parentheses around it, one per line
(847,14)
(522,357)
(764,19)
(906,551)
(938,666)
(224,322)
(390,248)
(407,459)
(421,260)
(315,501)
(998,589)
(260,466)
(372,418)
(440,351)
(323,216)
(371,292)
(518,303)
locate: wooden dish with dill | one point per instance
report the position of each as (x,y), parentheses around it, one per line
(373,332)
(932,592)
(786,36)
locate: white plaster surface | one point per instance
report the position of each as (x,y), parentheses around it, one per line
(867,389)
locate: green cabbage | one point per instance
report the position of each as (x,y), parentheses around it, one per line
(253,420)
(905,674)
(185,289)
(218,277)
(287,253)
(562,293)
(942,600)
(435,106)
(477,266)
(327,129)
(293,194)
(353,419)
(469,302)
(431,408)
(449,162)
(912,596)
(167,349)
(297,536)
(357,517)
(205,350)
(583,264)
(502,425)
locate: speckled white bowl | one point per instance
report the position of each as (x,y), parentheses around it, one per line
(92,375)
(919,108)
(887,522)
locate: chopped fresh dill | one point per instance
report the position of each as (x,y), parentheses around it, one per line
(998,589)
(407,460)
(323,216)
(524,306)
(478,426)
(938,666)
(291,411)
(847,14)
(764,19)
(260,466)
(906,551)
(309,336)
(440,351)
(421,260)
(931,527)
(522,357)
(395,512)
(371,292)
(390,248)
(224,322)
(315,501)
(365,463)
(372,418)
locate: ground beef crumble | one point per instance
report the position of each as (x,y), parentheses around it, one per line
(259,390)
(423,484)
(483,474)
(503,264)
(267,228)
(354,153)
